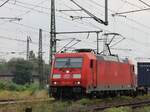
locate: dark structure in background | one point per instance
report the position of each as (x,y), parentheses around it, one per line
(9,77)
(40,61)
(53,32)
(28,47)
(143,69)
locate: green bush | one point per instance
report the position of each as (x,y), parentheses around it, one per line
(2,85)
(32,87)
(22,71)
(15,87)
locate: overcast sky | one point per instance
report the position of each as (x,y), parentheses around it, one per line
(35,14)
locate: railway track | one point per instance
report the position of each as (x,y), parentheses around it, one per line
(91,108)
(133,105)
(103,106)
(12,101)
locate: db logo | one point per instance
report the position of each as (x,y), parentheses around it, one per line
(66,76)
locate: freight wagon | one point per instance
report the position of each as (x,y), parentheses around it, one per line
(143,69)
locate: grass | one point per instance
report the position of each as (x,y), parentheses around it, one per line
(61,107)
(5,95)
(121,109)
(10,90)
(144,109)
(9,85)
(65,106)
(36,107)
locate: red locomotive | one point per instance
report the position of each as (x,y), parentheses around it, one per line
(85,73)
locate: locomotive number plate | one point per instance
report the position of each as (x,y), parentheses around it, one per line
(67,76)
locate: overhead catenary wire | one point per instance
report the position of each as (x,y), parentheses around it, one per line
(95,25)
(131,4)
(132,11)
(130,20)
(66,45)
(141,9)
(70,20)
(113,12)
(91,44)
(73,44)
(9,38)
(30,26)
(144,3)
(4,3)
(18,40)
(92,15)
(29,4)
(23,14)
(31,8)
(82,22)
(133,40)
(27,26)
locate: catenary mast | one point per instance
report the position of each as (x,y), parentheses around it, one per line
(53,32)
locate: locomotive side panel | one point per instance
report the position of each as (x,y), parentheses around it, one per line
(114,76)
(86,73)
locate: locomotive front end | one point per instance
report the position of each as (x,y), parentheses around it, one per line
(66,78)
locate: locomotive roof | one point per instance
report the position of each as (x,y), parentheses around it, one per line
(112,58)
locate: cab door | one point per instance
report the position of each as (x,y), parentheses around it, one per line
(93,66)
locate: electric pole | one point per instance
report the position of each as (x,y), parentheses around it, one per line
(28,47)
(53,33)
(97,42)
(106,12)
(105,22)
(40,60)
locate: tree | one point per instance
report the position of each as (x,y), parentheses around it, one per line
(32,55)
(22,71)
(3,67)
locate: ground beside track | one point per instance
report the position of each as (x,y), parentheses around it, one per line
(72,106)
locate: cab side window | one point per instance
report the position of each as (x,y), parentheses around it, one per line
(133,68)
(91,63)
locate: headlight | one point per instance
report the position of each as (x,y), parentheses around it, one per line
(56,76)
(54,83)
(78,83)
(77,76)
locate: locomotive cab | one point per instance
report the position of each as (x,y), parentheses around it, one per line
(67,71)
(69,74)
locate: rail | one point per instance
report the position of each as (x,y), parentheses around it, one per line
(133,105)
(12,101)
